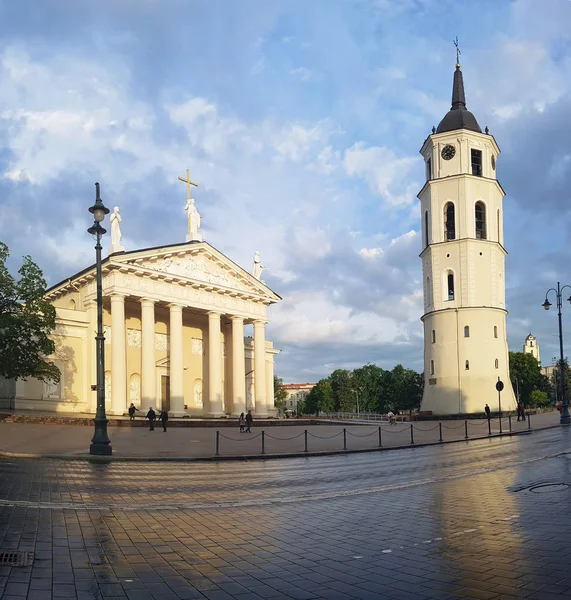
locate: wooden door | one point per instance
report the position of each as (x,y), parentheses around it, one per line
(165,393)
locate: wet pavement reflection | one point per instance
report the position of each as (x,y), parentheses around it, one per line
(469,520)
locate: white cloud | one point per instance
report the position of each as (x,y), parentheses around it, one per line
(383,171)
(303,73)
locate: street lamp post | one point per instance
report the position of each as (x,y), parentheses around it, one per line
(100,443)
(357,394)
(565,418)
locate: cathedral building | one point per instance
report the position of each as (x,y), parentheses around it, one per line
(174,318)
(463,265)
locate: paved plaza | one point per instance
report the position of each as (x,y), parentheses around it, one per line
(31,439)
(482,519)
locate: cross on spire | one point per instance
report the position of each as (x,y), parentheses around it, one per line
(458,52)
(188,183)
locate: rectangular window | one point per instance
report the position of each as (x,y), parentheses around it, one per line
(433,336)
(450,286)
(476,156)
(428,169)
(432,367)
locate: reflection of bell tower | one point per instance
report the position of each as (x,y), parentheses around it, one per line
(531,347)
(465,346)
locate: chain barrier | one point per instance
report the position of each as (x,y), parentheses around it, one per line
(285,439)
(379,430)
(457,427)
(361,436)
(326,437)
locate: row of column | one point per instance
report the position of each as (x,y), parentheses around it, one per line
(214,404)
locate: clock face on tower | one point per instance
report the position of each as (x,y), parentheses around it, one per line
(448,152)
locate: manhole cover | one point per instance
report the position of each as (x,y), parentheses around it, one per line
(549,487)
(16,559)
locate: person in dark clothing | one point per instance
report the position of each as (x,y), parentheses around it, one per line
(487,409)
(151,415)
(164,418)
(132,410)
(249,421)
(520,411)
(242,422)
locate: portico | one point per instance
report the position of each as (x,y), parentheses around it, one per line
(174,323)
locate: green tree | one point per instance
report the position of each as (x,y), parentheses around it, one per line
(26,320)
(539,399)
(280,395)
(369,382)
(301,408)
(525,369)
(406,387)
(344,398)
(320,398)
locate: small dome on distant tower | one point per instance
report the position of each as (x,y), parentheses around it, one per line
(458,117)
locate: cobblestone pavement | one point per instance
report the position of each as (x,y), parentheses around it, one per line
(195,442)
(475,520)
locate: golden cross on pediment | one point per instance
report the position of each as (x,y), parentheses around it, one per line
(188,183)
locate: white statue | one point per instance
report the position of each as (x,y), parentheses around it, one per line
(258,267)
(193,217)
(115,220)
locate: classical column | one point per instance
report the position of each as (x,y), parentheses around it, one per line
(238,366)
(214,366)
(148,362)
(91,308)
(260,368)
(176,370)
(118,356)
(270,384)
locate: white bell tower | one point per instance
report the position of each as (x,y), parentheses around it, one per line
(463,265)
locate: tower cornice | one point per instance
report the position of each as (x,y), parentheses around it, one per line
(458,176)
(435,138)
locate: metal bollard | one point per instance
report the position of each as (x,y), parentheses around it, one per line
(510,421)
(465,430)
(529,421)
(305,440)
(489,426)
(217,443)
(380,440)
(440,429)
(344,439)
(411,434)
(263,442)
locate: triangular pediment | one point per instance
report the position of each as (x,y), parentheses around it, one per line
(197,263)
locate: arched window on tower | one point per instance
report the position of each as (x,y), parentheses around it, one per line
(467,365)
(466,331)
(495,331)
(481,233)
(429,169)
(433,336)
(497,364)
(428,292)
(449,222)
(450,281)
(499,239)
(426,227)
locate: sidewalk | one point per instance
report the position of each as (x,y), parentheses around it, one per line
(70,441)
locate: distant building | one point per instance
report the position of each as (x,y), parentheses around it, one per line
(295,393)
(531,346)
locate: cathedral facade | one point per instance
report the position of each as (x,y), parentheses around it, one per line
(174,319)
(463,265)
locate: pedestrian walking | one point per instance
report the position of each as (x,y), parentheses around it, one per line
(487,410)
(164,418)
(391,417)
(520,411)
(151,415)
(242,422)
(132,410)
(249,421)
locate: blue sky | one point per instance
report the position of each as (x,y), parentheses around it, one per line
(302,121)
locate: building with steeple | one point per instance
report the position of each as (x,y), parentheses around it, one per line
(531,346)
(463,265)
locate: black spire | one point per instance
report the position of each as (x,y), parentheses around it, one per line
(458,117)
(458,96)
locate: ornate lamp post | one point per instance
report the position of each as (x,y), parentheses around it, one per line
(565,418)
(100,443)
